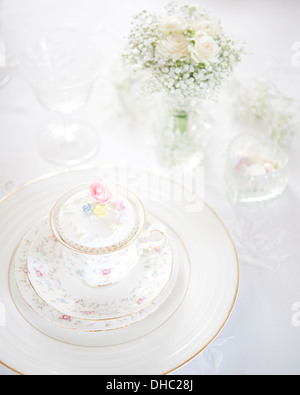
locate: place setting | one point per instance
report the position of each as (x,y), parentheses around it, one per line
(111,269)
(137,285)
(114,269)
(68,283)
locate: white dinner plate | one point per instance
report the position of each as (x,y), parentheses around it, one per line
(160,343)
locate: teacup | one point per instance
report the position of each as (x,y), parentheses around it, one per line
(102,229)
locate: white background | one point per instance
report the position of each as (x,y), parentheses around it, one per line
(260,336)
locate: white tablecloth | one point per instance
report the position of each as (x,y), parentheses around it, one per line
(262,335)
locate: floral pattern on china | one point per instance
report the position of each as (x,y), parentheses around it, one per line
(60,289)
(163,260)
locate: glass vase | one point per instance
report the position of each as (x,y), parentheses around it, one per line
(256,169)
(184,137)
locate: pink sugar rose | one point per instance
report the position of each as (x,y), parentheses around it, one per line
(101,191)
(120,206)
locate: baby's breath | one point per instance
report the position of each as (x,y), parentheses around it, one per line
(261,100)
(184,78)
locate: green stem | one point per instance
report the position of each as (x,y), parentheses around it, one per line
(181,121)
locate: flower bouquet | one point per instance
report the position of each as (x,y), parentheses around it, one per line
(187,56)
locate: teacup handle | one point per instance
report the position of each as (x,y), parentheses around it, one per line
(153,245)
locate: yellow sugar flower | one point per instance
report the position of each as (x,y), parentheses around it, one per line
(100,210)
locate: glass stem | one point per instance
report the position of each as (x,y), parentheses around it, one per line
(66,124)
(68,134)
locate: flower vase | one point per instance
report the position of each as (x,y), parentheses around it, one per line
(184,137)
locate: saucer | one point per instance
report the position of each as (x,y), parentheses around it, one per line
(69,296)
(53,316)
(183,326)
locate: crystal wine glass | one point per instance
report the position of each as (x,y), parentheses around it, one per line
(8,63)
(62,69)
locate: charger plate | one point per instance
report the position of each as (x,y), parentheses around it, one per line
(163,341)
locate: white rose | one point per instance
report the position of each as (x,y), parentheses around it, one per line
(205,49)
(173,24)
(174,46)
(211,27)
